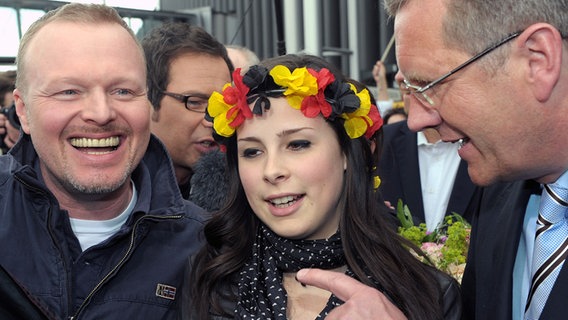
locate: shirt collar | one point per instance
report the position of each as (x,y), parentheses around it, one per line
(562,181)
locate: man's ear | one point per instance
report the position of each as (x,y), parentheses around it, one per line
(21,111)
(542,45)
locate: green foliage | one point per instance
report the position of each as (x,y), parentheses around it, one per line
(457,242)
(446,246)
(403,215)
(414,234)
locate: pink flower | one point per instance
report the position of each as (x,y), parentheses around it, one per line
(433,251)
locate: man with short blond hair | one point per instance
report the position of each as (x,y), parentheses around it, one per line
(95,227)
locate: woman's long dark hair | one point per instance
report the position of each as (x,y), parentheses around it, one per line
(373,251)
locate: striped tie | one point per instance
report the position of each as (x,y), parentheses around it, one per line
(550,248)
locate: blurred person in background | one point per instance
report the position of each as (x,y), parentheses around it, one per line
(185,65)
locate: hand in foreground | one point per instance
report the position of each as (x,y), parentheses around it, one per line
(361,301)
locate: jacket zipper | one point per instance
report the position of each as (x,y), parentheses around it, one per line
(120,263)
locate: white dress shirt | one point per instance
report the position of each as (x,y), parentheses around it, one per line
(439,164)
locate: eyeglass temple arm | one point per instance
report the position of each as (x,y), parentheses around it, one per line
(470,61)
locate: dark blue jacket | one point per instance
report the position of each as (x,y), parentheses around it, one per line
(135,274)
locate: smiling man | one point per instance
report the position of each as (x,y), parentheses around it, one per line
(94,224)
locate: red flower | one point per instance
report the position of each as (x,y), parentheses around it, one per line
(236,96)
(313,105)
(377,121)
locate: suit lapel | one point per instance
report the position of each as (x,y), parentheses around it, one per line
(495,240)
(555,307)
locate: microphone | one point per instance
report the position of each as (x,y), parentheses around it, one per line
(209,183)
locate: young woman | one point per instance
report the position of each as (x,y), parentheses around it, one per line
(302,194)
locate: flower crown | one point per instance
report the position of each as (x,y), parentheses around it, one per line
(311,91)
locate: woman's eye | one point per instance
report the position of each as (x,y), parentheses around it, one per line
(250,153)
(299,144)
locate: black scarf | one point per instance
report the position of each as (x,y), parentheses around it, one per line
(261,295)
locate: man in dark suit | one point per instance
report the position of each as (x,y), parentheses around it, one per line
(491,285)
(400,174)
(492,76)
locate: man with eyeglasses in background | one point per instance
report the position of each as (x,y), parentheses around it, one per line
(185,65)
(507,107)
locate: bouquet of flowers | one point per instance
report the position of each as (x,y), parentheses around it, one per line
(446,247)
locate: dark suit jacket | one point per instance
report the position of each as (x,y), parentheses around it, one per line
(400,174)
(488,280)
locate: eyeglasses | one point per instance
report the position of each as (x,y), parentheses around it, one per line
(195,103)
(420,92)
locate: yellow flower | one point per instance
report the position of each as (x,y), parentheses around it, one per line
(376,182)
(299,84)
(356,123)
(218,109)
(364,96)
(354,126)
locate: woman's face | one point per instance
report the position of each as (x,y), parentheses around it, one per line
(292,170)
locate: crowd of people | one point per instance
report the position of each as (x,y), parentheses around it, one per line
(176,177)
